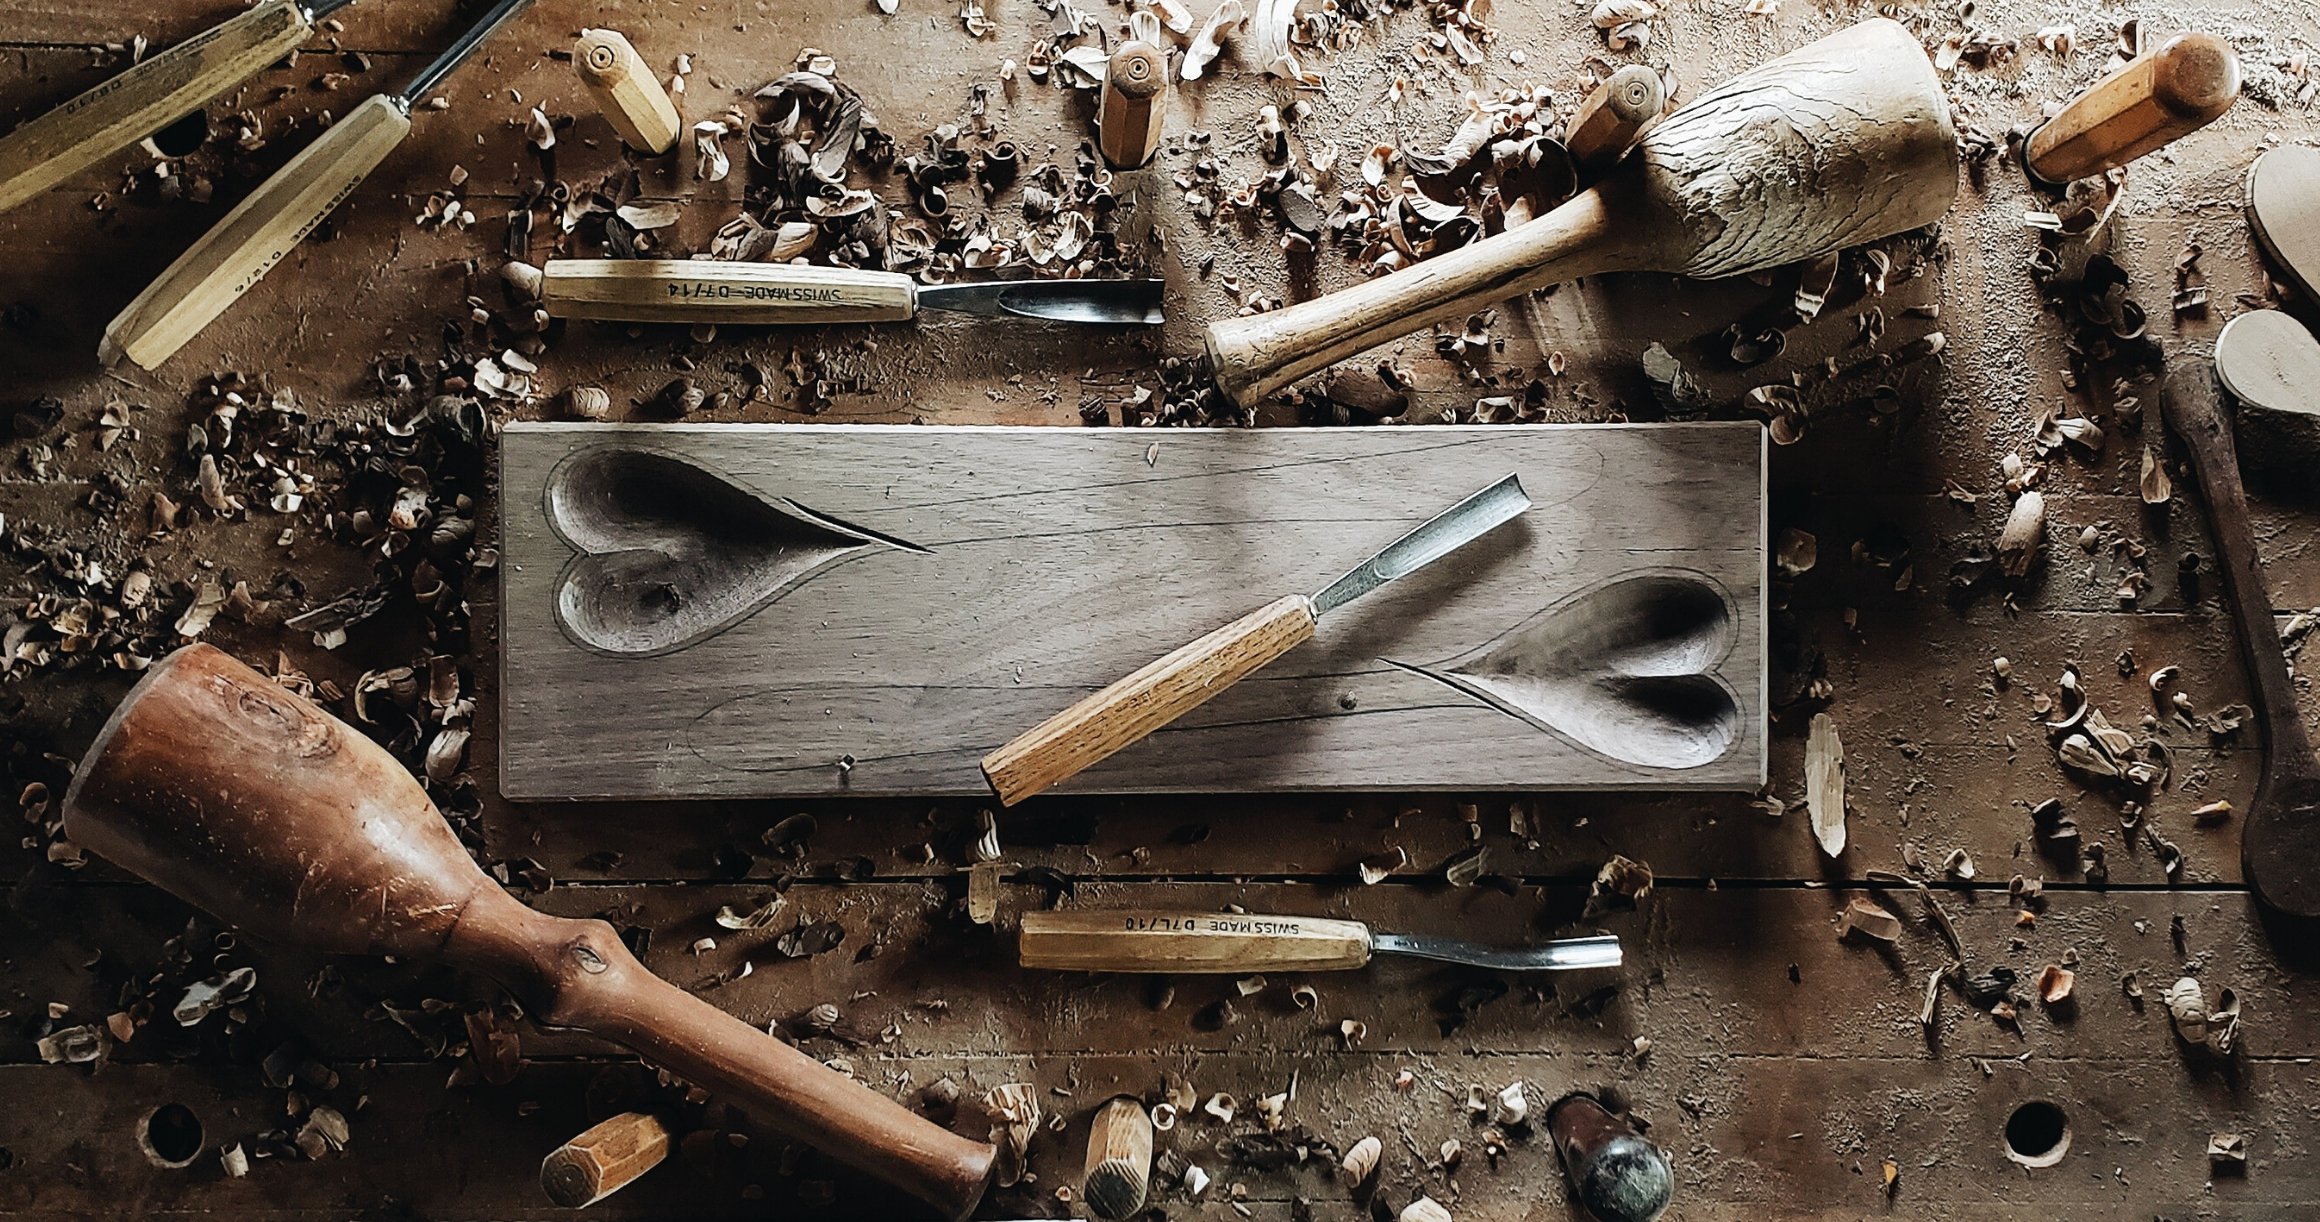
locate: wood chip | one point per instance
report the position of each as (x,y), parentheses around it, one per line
(1870,919)
(1824,783)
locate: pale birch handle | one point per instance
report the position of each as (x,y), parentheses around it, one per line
(145,98)
(626,91)
(1212,942)
(1100,725)
(712,291)
(264,227)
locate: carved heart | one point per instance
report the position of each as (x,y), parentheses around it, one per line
(669,553)
(1624,669)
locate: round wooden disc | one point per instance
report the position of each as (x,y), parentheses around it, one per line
(2268,360)
(2284,212)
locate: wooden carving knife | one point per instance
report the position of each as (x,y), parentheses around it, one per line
(1219,942)
(272,220)
(1101,725)
(151,95)
(717,291)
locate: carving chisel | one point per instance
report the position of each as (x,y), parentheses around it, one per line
(151,95)
(264,227)
(1100,725)
(716,291)
(1192,942)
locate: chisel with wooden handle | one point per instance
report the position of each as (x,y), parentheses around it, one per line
(605,1159)
(1222,942)
(2149,102)
(151,95)
(718,291)
(1100,725)
(273,219)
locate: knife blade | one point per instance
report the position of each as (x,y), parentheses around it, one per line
(1232,942)
(1100,725)
(715,291)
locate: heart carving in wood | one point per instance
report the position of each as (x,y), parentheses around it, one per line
(1626,669)
(667,553)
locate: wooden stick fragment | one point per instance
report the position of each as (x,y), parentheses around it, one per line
(626,90)
(604,1160)
(1119,1159)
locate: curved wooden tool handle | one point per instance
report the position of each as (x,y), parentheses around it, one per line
(1098,726)
(2150,101)
(1212,942)
(1254,356)
(626,91)
(604,1160)
(2280,839)
(264,227)
(145,98)
(1613,117)
(577,974)
(707,290)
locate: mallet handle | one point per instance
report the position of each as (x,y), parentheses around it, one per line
(604,1160)
(577,974)
(626,90)
(146,97)
(2150,101)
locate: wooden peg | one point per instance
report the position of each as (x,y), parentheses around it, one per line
(2151,101)
(1613,117)
(626,91)
(604,1160)
(1128,120)
(1119,1159)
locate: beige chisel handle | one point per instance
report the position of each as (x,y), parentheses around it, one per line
(1098,726)
(252,238)
(1128,116)
(1613,117)
(604,1160)
(2151,100)
(626,91)
(145,98)
(709,290)
(1091,941)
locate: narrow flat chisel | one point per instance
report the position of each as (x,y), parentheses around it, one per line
(243,247)
(717,291)
(1196,942)
(152,94)
(1099,726)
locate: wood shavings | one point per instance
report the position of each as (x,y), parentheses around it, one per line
(1222,20)
(2054,984)
(1510,1109)
(1796,554)
(1015,1116)
(1376,867)
(1425,1209)
(1269,27)
(1359,1162)
(2023,534)
(2227,1151)
(1618,885)
(2187,1010)
(1870,919)
(1824,784)
(760,917)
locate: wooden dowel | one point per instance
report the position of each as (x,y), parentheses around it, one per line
(1614,117)
(604,1160)
(1119,1159)
(2149,102)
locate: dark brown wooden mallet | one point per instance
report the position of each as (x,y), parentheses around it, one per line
(1844,141)
(250,802)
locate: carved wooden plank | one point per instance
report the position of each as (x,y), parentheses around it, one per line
(790,610)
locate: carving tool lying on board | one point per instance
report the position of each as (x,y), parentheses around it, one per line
(1840,142)
(1083,940)
(273,219)
(2151,101)
(244,799)
(1100,725)
(713,291)
(151,95)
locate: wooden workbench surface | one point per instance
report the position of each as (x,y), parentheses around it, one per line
(1783,1068)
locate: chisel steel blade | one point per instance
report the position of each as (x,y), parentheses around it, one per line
(1561,955)
(1439,536)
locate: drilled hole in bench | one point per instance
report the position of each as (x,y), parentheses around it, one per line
(171,1135)
(2037,1134)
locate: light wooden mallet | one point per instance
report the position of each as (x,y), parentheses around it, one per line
(2150,101)
(242,798)
(1843,141)
(271,221)
(152,94)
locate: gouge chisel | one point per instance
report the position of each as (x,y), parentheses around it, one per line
(151,95)
(716,291)
(1100,725)
(267,225)
(1194,942)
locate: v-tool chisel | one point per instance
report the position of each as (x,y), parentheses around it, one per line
(239,250)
